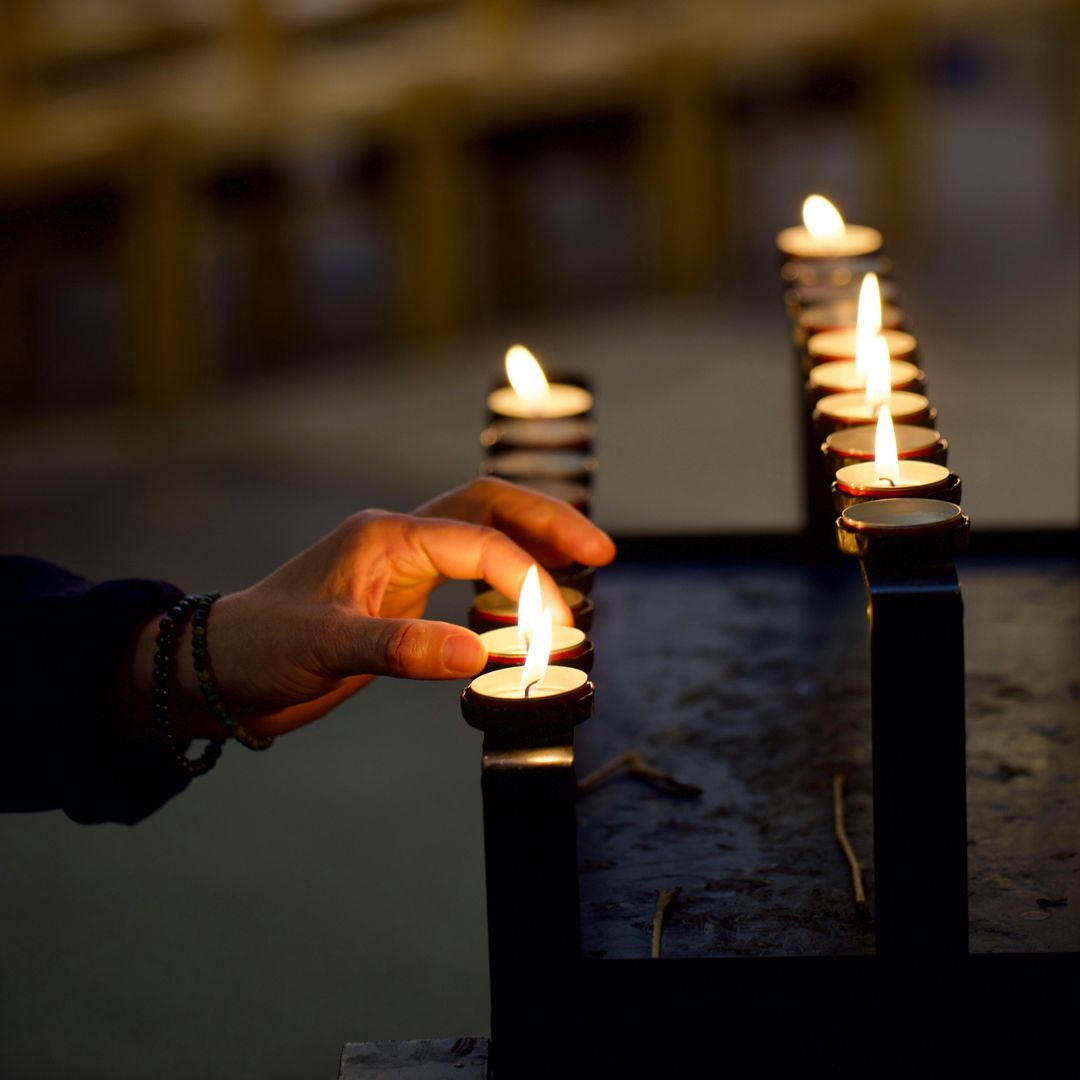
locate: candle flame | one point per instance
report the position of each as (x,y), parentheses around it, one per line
(536,659)
(526,375)
(867,322)
(530,606)
(878,373)
(821,218)
(886,459)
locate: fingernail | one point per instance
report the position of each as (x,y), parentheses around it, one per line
(463,654)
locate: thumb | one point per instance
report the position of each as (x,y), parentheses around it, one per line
(408,649)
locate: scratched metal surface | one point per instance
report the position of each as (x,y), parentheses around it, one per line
(750,679)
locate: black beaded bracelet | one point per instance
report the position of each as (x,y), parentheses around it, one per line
(171,622)
(202,672)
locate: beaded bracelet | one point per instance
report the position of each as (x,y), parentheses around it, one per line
(172,621)
(209,691)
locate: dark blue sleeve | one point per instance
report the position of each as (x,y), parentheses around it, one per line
(67,744)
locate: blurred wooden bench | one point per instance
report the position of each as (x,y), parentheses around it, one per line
(157,97)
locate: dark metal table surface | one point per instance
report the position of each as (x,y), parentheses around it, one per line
(742,667)
(747,675)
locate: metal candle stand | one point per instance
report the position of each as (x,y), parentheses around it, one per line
(530,854)
(914,608)
(915,617)
(529,791)
(557,1013)
(918,761)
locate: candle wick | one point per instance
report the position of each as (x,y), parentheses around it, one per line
(887,480)
(529,687)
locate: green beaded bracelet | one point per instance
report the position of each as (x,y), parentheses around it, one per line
(206,684)
(171,624)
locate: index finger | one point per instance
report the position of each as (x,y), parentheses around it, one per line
(456,549)
(547,522)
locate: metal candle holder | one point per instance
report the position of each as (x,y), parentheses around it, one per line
(530,854)
(918,728)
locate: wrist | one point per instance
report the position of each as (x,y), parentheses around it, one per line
(187,713)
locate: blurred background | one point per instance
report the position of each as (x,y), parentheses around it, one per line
(259,262)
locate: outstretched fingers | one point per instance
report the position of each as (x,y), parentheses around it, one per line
(456,549)
(543,521)
(548,527)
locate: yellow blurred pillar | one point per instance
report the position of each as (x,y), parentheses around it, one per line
(684,147)
(161,229)
(897,118)
(433,212)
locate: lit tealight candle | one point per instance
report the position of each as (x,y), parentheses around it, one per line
(491,610)
(851,445)
(854,407)
(508,646)
(533,699)
(834,345)
(824,234)
(866,338)
(842,377)
(889,477)
(531,396)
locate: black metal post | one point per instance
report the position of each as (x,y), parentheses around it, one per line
(919,760)
(530,853)
(818,514)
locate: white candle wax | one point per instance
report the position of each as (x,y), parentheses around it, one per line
(862,478)
(798,242)
(840,344)
(852,408)
(560,401)
(841,376)
(506,642)
(506,683)
(502,608)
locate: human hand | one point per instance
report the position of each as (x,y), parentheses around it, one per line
(287,650)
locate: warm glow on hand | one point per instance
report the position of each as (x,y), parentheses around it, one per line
(821,218)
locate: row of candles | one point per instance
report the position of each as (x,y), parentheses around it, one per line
(871,427)
(872,437)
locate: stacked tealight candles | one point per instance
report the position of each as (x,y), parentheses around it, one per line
(541,434)
(869,426)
